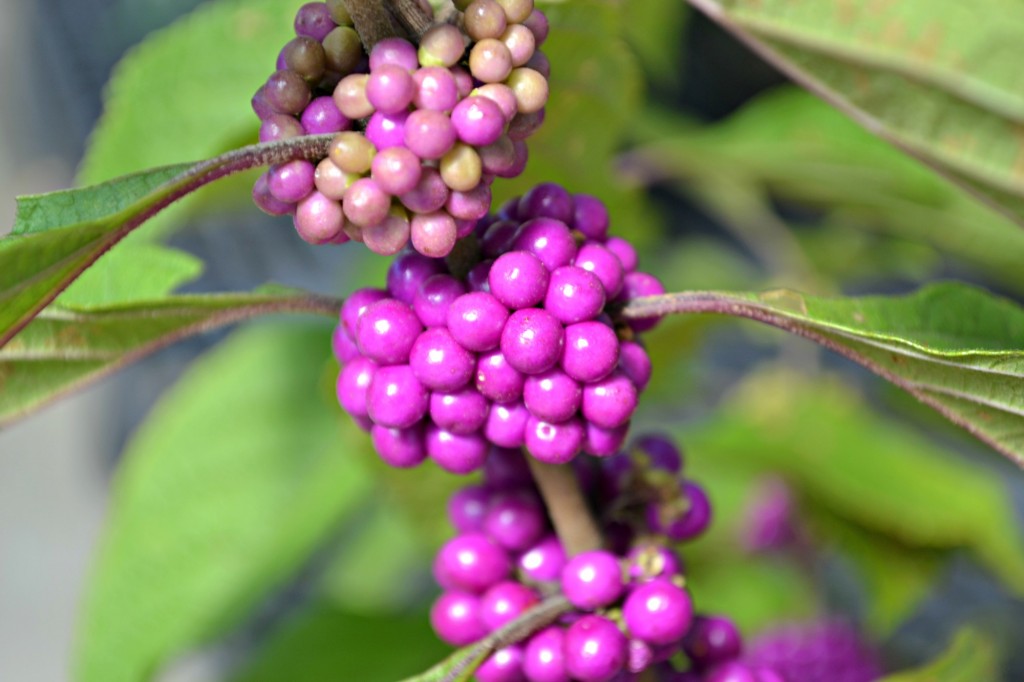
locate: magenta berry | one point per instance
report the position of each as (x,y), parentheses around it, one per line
(595,649)
(544,656)
(471,562)
(658,612)
(504,602)
(455,617)
(544,561)
(592,579)
(712,640)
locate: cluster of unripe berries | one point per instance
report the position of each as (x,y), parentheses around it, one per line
(632,612)
(516,352)
(421,131)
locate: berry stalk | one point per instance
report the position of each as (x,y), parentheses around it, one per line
(373,21)
(566,506)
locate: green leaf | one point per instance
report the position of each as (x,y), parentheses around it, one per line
(940,79)
(595,98)
(328,643)
(210,62)
(62,350)
(791,145)
(874,473)
(61,234)
(239,473)
(954,347)
(655,32)
(970,658)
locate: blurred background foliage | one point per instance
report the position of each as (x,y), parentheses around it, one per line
(278,547)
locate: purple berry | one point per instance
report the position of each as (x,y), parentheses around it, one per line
(635,363)
(519,280)
(266,201)
(457,453)
(319,219)
(590,217)
(592,580)
(439,362)
(429,134)
(547,200)
(435,89)
(712,640)
(279,127)
(435,297)
(366,204)
(591,351)
(387,130)
(353,385)
(544,656)
(683,521)
(515,522)
(478,121)
(662,451)
(455,617)
(498,238)
(505,602)
(658,612)
(471,562)
(544,561)
(552,396)
(462,411)
(497,379)
(732,672)
(554,443)
(649,561)
(430,193)
(467,508)
(356,304)
(390,89)
(532,340)
(395,398)
(314,20)
(408,272)
(636,285)
(469,206)
(387,330)
(574,295)
(402,448)
(604,265)
(396,170)
(506,424)
(323,116)
(602,442)
(345,349)
(477,321)
(394,51)
(611,401)
(770,517)
(549,240)
(477,280)
(434,234)
(595,649)
(504,665)
(624,251)
(291,181)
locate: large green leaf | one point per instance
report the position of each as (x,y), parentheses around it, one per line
(970,658)
(62,350)
(938,79)
(332,644)
(57,236)
(239,473)
(791,145)
(952,346)
(876,474)
(595,98)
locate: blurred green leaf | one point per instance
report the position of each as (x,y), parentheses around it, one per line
(877,474)
(896,577)
(970,658)
(790,144)
(656,33)
(596,95)
(940,79)
(328,643)
(209,63)
(954,347)
(58,235)
(144,271)
(63,350)
(237,475)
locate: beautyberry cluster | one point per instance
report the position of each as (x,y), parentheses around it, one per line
(516,352)
(632,610)
(421,132)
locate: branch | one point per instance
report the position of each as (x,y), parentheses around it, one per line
(413,16)
(567,508)
(373,21)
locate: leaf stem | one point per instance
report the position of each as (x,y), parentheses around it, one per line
(566,505)
(374,21)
